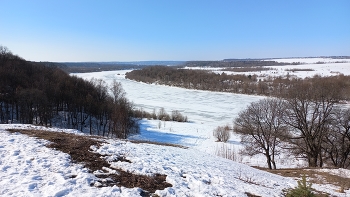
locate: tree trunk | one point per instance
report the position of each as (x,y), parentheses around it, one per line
(268,158)
(313,161)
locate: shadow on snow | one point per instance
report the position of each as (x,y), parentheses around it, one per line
(149,133)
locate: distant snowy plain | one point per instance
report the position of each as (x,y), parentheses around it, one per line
(28,168)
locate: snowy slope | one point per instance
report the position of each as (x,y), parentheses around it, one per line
(28,168)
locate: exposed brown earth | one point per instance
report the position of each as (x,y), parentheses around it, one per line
(78,147)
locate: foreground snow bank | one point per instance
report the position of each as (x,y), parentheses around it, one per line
(194,173)
(29,168)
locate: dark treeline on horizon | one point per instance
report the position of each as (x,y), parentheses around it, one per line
(207,80)
(236,63)
(43,94)
(84,67)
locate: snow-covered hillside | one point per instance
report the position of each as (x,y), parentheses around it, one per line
(28,168)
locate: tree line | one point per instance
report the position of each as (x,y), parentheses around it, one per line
(37,93)
(231,63)
(207,80)
(83,67)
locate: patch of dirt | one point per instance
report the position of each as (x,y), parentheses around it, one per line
(251,195)
(78,147)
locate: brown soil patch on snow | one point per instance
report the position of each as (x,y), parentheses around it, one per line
(78,147)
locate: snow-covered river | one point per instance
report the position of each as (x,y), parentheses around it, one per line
(199,106)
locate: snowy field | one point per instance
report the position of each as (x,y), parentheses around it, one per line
(329,67)
(312,60)
(28,168)
(323,70)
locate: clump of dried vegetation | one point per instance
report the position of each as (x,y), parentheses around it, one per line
(315,176)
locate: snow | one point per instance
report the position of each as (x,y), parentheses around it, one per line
(205,111)
(29,168)
(324,70)
(327,67)
(194,173)
(309,60)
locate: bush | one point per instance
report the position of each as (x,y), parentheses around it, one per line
(163,115)
(222,134)
(303,189)
(178,117)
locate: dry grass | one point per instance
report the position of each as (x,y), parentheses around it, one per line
(314,176)
(78,147)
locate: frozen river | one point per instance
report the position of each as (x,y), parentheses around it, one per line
(199,106)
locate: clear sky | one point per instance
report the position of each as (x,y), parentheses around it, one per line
(131,30)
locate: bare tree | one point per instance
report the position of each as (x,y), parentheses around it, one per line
(309,108)
(117,91)
(5,54)
(337,141)
(262,128)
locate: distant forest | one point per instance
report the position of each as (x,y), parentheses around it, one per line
(207,80)
(42,93)
(84,67)
(236,63)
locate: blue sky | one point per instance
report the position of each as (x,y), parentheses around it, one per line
(130,30)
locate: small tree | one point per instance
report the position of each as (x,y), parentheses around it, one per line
(222,134)
(154,115)
(303,189)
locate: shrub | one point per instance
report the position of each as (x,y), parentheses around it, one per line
(163,115)
(140,113)
(303,189)
(177,116)
(222,134)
